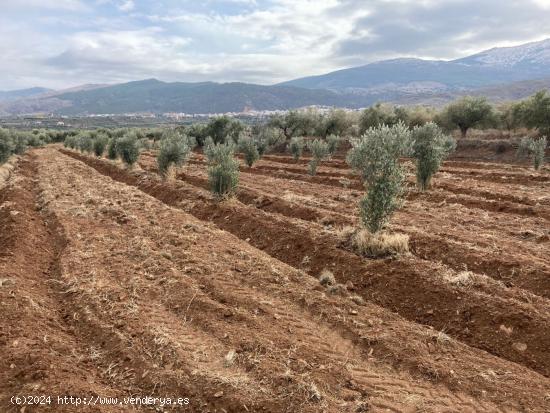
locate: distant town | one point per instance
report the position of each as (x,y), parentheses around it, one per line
(111,120)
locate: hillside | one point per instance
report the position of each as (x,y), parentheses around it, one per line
(491,67)
(8,95)
(159,97)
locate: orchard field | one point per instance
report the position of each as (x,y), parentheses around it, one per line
(118,282)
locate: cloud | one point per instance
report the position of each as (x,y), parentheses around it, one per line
(127,5)
(442,29)
(68,42)
(62,5)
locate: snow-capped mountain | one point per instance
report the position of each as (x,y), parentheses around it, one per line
(534,54)
(491,67)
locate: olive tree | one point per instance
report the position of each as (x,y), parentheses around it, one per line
(377,115)
(536,112)
(100,143)
(429,147)
(295,123)
(175,149)
(266,138)
(296,147)
(222,128)
(247,146)
(467,113)
(333,142)
(85,142)
(336,122)
(6,145)
(223,169)
(535,148)
(375,156)
(319,151)
(127,148)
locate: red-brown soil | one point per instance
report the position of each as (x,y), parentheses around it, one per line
(118,283)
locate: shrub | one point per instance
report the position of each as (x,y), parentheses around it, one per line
(111,149)
(85,142)
(19,142)
(224,128)
(266,138)
(326,278)
(144,143)
(174,150)
(127,148)
(35,140)
(71,141)
(375,155)
(6,145)
(199,132)
(100,143)
(296,147)
(333,142)
(155,134)
(223,169)
(319,151)
(248,148)
(535,148)
(430,147)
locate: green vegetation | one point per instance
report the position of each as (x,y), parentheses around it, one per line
(535,112)
(111,149)
(127,148)
(319,150)
(375,155)
(333,142)
(467,113)
(377,115)
(100,143)
(222,128)
(295,123)
(71,142)
(247,147)
(337,122)
(266,138)
(430,147)
(223,168)
(85,142)
(14,142)
(6,146)
(175,149)
(534,148)
(296,147)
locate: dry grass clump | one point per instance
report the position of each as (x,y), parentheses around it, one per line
(378,245)
(337,289)
(461,279)
(357,299)
(326,278)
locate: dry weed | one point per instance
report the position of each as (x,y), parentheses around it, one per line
(326,278)
(378,245)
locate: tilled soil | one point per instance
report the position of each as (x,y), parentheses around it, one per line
(117,283)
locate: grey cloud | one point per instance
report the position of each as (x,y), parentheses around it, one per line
(443,29)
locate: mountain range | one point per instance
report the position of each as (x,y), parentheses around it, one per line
(504,73)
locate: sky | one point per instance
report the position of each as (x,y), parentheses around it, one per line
(65,43)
